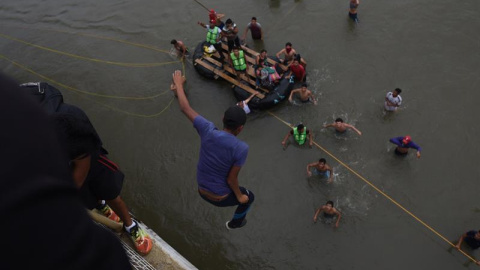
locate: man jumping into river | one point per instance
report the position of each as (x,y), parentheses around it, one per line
(222,156)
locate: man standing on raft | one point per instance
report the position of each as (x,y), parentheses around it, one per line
(403,143)
(222,156)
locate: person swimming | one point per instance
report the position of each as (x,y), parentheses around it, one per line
(322,169)
(328,212)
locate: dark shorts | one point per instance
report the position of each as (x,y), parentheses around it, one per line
(104,181)
(353,16)
(232,43)
(400,153)
(305,101)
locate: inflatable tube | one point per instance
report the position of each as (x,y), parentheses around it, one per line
(275,96)
(198,54)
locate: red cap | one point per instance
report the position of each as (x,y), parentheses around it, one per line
(212,11)
(406,139)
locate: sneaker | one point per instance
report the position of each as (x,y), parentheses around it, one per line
(141,240)
(229,227)
(108,212)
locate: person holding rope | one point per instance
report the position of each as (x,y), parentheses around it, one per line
(182,50)
(472,239)
(222,156)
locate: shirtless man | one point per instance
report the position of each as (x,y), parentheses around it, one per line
(393,100)
(305,95)
(321,168)
(341,127)
(289,53)
(352,12)
(329,212)
(180,47)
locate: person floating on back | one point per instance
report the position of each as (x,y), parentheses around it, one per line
(322,169)
(300,134)
(306,95)
(328,212)
(342,127)
(352,12)
(256,29)
(393,100)
(472,239)
(182,50)
(403,144)
(222,156)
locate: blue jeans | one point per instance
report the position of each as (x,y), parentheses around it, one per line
(231,200)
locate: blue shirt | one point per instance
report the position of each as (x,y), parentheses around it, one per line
(219,151)
(411,144)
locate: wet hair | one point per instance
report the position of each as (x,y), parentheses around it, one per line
(323,160)
(229,21)
(174,41)
(262,51)
(235,48)
(78,135)
(297,57)
(254,18)
(304,84)
(398,90)
(330,202)
(339,120)
(300,126)
(288,44)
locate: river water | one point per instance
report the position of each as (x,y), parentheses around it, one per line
(428,48)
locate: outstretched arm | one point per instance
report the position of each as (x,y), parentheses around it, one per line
(177,87)
(355,129)
(251,96)
(245,33)
(291,94)
(286,138)
(460,241)
(309,173)
(339,216)
(278,54)
(329,125)
(319,210)
(330,179)
(202,24)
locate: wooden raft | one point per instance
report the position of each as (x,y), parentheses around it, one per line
(228,73)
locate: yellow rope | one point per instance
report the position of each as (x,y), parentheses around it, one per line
(379,191)
(75,89)
(88,58)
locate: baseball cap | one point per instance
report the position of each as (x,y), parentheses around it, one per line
(406,139)
(234,117)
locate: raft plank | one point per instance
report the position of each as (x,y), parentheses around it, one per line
(270,60)
(250,71)
(228,78)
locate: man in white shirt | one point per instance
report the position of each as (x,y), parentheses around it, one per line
(393,100)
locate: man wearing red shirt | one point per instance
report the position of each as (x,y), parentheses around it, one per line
(298,71)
